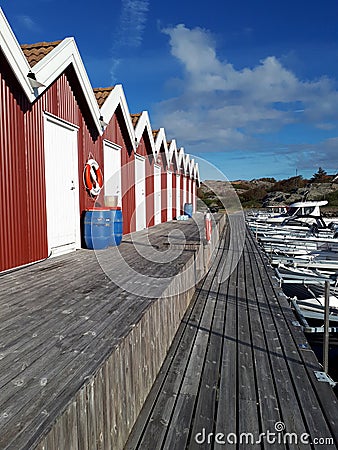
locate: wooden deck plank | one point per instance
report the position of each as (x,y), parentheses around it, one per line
(268,402)
(321,411)
(160,413)
(206,405)
(69,374)
(248,417)
(179,430)
(251,348)
(169,394)
(58,326)
(227,408)
(226,415)
(160,408)
(283,380)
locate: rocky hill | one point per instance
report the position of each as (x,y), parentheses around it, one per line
(313,191)
(265,192)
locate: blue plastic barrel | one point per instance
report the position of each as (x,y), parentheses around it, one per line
(97,228)
(116,219)
(188,209)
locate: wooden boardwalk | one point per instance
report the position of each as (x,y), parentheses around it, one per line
(82,337)
(239,365)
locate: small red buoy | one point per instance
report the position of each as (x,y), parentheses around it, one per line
(208,226)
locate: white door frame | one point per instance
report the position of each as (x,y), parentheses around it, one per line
(169,195)
(189,191)
(140,192)
(157,194)
(184,192)
(112,170)
(178,195)
(57,194)
(194,195)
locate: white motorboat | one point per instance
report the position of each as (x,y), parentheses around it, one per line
(302,274)
(268,213)
(303,250)
(312,309)
(317,304)
(325,263)
(305,212)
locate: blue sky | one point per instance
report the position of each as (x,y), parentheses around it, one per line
(249,86)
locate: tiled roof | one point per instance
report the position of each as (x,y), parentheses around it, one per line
(155,133)
(135,118)
(102,94)
(35,52)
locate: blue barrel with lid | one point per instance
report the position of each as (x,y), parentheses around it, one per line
(97,228)
(188,208)
(116,219)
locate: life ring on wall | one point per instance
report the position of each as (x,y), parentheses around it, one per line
(93,177)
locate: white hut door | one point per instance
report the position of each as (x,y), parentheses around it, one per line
(189,191)
(62,186)
(140,193)
(178,195)
(169,195)
(112,171)
(157,195)
(184,192)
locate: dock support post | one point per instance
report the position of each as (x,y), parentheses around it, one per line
(326,328)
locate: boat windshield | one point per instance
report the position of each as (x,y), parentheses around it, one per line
(292,211)
(308,210)
(304,211)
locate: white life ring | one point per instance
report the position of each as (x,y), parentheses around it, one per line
(93,177)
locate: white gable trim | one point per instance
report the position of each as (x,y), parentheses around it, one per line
(172,151)
(181,158)
(191,168)
(143,124)
(14,55)
(162,140)
(48,68)
(186,164)
(117,98)
(197,174)
(56,62)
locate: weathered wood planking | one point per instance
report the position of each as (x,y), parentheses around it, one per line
(173,373)
(79,354)
(321,412)
(248,343)
(286,392)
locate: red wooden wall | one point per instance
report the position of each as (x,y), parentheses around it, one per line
(23,232)
(116,132)
(23,228)
(144,149)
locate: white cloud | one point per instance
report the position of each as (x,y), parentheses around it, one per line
(132,22)
(321,154)
(195,49)
(129,33)
(230,109)
(28,22)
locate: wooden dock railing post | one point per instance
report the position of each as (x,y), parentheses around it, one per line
(326,328)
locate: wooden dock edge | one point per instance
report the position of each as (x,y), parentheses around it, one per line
(104,410)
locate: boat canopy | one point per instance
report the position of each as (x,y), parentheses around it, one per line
(308,204)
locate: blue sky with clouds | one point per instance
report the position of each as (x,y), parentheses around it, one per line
(250,86)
